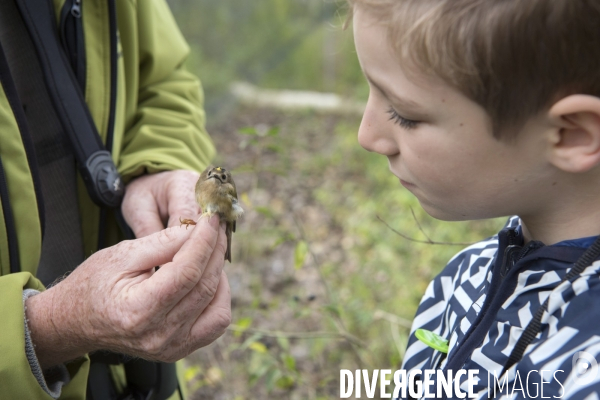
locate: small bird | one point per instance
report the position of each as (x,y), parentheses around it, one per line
(216,194)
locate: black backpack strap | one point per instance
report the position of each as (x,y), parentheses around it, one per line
(146,380)
(94,161)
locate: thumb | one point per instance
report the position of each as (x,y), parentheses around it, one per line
(176,279)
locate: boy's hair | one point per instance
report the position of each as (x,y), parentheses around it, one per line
(513,57)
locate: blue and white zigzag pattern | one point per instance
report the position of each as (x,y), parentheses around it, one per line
(571,324)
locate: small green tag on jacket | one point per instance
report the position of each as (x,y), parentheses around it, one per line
(432,340)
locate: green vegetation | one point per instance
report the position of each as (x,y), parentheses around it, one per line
(319,282)
(279,44)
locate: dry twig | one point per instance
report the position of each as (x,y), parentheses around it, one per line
(400,339)
(428,241)
(380,314)
(300,335)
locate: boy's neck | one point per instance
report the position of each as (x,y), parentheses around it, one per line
(565,225)
(563,206)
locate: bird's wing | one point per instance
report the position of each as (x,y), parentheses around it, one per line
(231,190)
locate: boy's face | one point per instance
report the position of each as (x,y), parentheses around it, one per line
(439,143)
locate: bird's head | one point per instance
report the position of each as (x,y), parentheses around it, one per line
(218,173)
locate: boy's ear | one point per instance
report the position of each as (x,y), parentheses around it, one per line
(576,137)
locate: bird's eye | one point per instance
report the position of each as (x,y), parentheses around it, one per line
(223,177)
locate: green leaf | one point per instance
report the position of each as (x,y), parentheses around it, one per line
(248,130)
(289,362)
(333,309)
(266,211)
(286,382)
(250,340)
(258,347)
(275,148)
(272,377)
(243,323)
(259,373)
(300,254)
(191,373)
(284,343)
(279,241)
(273,131)
(432,340)
(246,199)
(278,171)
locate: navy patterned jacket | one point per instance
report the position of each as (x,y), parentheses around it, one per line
(484,299)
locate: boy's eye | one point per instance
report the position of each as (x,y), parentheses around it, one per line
(403,122)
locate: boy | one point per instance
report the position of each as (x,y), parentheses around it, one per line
(485,109)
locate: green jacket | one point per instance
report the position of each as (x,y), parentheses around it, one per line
(159,125)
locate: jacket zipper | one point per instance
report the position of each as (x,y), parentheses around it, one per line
(112,14)
(512,240)
(508,256)
(72,39)
(513,252)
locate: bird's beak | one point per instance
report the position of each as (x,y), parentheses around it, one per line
(217,177)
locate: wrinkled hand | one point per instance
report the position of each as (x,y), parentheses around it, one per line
(116,301)
(153,202)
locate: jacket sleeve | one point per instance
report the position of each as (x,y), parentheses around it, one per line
(165,127)
(16,378)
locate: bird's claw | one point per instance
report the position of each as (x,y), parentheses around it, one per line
(208,214)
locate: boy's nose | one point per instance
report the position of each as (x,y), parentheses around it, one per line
(375,134)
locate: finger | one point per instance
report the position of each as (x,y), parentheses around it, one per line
(215,319)
(147,252)
(142,214)
(176,279)
(181,198)
(194,303)
(203,330)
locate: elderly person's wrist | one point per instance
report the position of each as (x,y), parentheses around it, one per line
(50,380)
(56,336)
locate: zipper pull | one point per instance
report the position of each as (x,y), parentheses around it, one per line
(509,259)
(76,9)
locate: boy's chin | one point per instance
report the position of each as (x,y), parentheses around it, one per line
(445,214)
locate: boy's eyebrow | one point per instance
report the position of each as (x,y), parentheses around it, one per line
(402,102)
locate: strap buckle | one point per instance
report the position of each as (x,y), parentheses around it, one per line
(102,179)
